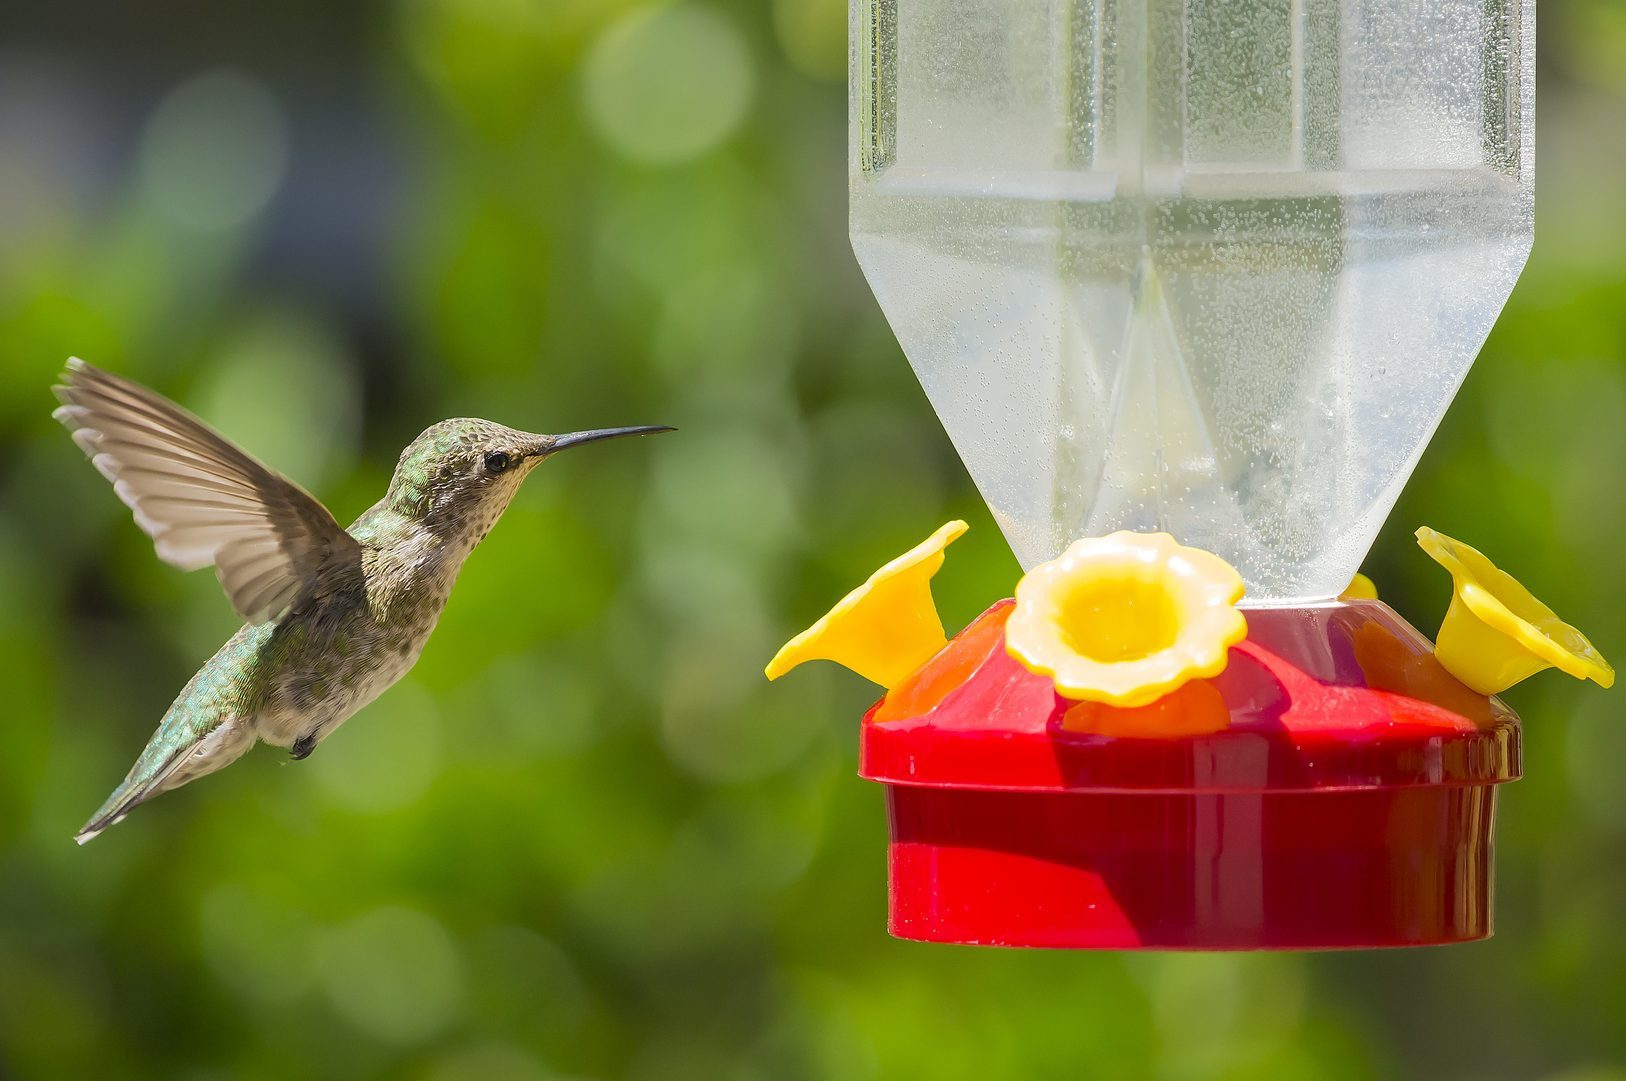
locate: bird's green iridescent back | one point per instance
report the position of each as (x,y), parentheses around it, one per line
(231,683)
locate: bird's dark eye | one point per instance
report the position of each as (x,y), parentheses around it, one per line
(497,462)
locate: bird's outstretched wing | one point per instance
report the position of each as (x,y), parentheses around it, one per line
(202,500)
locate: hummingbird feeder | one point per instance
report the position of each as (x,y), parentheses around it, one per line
(1193,281)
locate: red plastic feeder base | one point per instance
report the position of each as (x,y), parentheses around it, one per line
(1333,788)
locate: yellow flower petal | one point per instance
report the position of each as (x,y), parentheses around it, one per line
(887,627)
(1126,619)
(1496,633)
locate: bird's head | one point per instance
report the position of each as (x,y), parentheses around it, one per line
(459,475)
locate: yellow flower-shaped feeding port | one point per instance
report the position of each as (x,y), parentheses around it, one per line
(1496,633)
(1127,618)
(1360,588)
(886,628)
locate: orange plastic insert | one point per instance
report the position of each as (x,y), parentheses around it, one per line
(949,669)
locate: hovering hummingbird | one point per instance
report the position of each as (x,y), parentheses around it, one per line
(333,616)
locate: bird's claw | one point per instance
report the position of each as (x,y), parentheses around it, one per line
(303,746)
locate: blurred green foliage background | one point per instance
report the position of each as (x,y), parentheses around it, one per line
(584,838)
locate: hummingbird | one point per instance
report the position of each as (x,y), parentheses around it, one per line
(332,616)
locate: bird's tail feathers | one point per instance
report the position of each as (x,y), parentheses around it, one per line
(127,796)
(156,772)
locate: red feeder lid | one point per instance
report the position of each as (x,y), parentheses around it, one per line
(1336,696)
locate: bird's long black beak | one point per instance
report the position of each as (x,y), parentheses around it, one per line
(554,444)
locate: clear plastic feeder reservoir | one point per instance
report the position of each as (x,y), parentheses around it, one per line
(1193,280)
(1210,267)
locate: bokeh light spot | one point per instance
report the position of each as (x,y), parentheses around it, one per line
(719,721)
(387,764)
(285,390)
(395,974)
(256,943)
(734,328)
(697,583)
(1220,1011)
(515,969)
(215,151)
(734,489)
(530,706)
(667,83)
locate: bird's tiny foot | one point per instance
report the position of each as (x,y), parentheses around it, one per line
(303,746)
